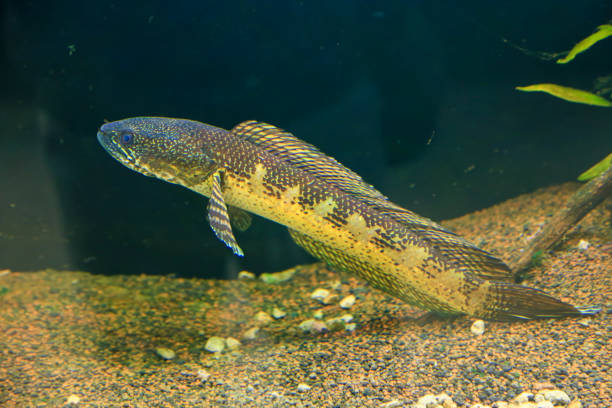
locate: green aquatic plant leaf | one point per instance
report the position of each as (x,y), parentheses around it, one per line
(603,31)
(567,94)
(597,169)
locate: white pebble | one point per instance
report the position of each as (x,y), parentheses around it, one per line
(329,299)
(319,294)
(278,313)
(215,344)
(232,343)
(303,387)
(557,397)
(348,302)
(251,334)
(346,318)
(523,397)
(478,327)
(165,353)
(350,327)
(583,245)
(263,318)
(246,275)
(73,399)
(203,374)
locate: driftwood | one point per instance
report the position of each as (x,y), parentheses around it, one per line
(579,204)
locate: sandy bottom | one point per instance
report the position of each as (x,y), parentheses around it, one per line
(68,336)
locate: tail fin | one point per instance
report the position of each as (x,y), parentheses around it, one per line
(511,302)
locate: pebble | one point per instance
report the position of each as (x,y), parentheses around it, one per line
(306,325)
(583,244)
(278,313)
(303,387)
(523,397)
(263,318)
(557,397)
(391,404)
(350,327)
(575,404)
(215,344)
(329,299)
(478,327)
(251,334)
(73,399)
(336,285)
(440,400)
(165,353)
(318,314)
(319,294)
(313,326)
(203,374)
(348,302)
(4,272)
(346,318)
(232,343)
(277,277)
(584,322)
(246,275)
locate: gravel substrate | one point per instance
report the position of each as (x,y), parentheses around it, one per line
(75,339)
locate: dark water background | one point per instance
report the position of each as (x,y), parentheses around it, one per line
(416,96)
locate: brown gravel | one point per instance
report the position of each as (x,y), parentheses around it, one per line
(72,333)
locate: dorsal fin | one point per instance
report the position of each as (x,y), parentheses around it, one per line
(308,158)
(305,156)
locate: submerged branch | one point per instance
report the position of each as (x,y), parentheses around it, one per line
(579,204)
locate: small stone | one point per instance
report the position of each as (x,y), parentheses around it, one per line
(73,399)
(303,387)
(575,404)
(543,404)
(501,404)
(4,272)
(165,353)
(346,318)
(251,334)
(350,327)
(203,375)
(278,313)
(583,245)
(478,327)
(215,344)
(584,322)
(319,327)
(318,314)
(523,397)
(336,285)
(306,325)
(539,386)
(312,376)
(348,302)
(334,323)
(319,294)
(277,277)
(263,318)
(329,299)
(232,343)
(557,397)
(246,275)
(426,400)
(250,388)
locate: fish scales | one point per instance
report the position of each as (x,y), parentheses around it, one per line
(329,211)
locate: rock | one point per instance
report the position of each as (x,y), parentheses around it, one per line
(246,275)
(251,334)
(215,344)
(583,245)
(165,353)
(232,343)
(348,302)
(278,276)
(350,327)
(478,327)
(203,375)
(262,318)
(346,318)
(523,397)
(575,404)
(306,325)
(539,386)
(318,314)
(436,401)
(319,294)
(73,400)
(278,313)
(329,299)
(303,387)
(557,397)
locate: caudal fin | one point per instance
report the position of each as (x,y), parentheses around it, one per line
(512,302)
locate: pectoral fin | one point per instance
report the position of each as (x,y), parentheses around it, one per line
(218,217)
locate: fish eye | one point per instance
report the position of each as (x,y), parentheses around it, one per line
(126,138)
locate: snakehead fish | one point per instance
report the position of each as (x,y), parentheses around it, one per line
(329,211)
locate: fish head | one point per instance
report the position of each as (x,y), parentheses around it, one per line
(166,148)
